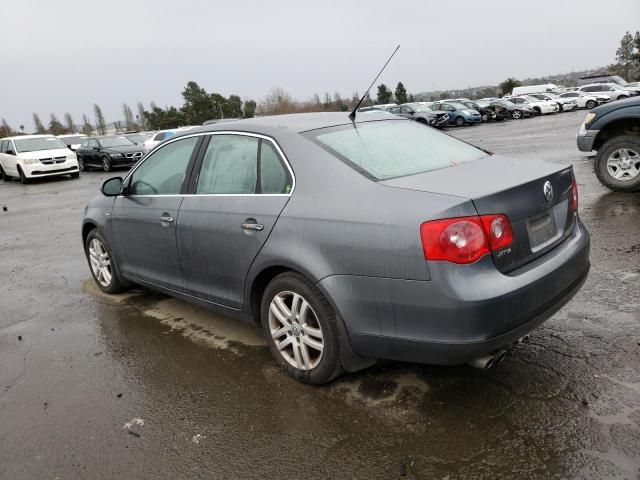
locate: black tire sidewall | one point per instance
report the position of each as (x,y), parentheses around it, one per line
(330,365)
(23,178)
(81,166)
(458,121)
(518,113)
(116,285)
(600,163)
(590,104)
(105,161)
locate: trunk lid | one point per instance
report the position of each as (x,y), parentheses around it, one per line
(515,188)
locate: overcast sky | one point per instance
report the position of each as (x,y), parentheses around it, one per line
(65,55)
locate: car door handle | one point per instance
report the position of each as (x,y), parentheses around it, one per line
(166,218)
(258,227)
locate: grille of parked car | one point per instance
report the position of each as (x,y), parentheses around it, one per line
(51,161)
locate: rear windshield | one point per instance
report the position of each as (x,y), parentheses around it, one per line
(389,149)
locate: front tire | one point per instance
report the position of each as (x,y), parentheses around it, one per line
(617,164)
(301,329)
(106,164)
(459,121)
(23,178)
(591,104)
(102,264)
(75,175)
(81,165)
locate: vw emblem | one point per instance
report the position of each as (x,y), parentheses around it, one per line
(548,191)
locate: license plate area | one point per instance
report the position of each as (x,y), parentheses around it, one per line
(543,230)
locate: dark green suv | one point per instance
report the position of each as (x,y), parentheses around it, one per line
(613,130)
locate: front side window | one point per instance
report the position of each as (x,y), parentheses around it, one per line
(389,149)
(164,171)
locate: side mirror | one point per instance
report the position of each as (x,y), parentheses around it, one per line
(112,187)
(95,148)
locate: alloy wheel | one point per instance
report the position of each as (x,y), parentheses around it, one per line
(106,164)
(295,330)
(100,262)
(624,164)
(516,114)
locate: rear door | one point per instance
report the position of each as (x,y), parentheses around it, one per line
(241,184)
(144,219)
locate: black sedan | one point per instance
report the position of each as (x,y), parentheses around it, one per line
(108,152)
(510,110)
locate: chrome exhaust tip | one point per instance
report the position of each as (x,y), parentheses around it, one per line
(490,360)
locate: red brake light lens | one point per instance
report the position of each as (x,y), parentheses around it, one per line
(574,197)
(465,239)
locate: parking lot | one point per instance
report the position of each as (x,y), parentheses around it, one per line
(144,386)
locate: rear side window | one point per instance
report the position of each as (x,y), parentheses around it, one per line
(389,149)
(230,165)
(242,165)
(3,146)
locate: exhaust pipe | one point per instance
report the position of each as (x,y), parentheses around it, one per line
(490,360)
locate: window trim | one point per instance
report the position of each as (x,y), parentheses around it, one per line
(194,168)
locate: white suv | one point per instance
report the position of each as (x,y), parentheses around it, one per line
(611,90)
(540,106)
(33,156)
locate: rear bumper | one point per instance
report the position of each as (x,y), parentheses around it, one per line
(463,312)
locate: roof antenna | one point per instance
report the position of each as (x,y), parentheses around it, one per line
(352,115)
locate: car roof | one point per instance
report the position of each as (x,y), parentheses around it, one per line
(26,137)
(293,123)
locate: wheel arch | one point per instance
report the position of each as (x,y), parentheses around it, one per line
(621,126)
(87,226)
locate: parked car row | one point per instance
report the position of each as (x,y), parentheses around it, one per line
(525,102)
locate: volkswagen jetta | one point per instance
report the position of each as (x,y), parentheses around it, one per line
(346,241)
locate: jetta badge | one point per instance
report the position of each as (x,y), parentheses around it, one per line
(548,191)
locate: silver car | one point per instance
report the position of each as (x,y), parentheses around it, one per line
(346,241)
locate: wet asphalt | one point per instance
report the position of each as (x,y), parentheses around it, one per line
(144,386)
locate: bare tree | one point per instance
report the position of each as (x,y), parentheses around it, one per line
(101,126)
(141,118)
(277,102)
(38,124)
(5,130)
(68,122)
(87,128)
(55,126)
(128,117)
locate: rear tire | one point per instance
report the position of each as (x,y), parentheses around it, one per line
(106,164)
(104,269)
(622,97)
(81,165)
(611,161)
(591,104)
(485,118)
(516,114)
(296,315)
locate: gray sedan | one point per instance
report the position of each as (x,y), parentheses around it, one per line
(346,241)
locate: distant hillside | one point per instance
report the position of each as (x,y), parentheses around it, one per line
(566,79)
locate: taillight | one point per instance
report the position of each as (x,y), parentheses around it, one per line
(465,239)
(574,197)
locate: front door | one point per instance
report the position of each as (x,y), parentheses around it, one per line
(144,218)
(241,187)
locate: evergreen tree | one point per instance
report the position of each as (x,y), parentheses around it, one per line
(401,93)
